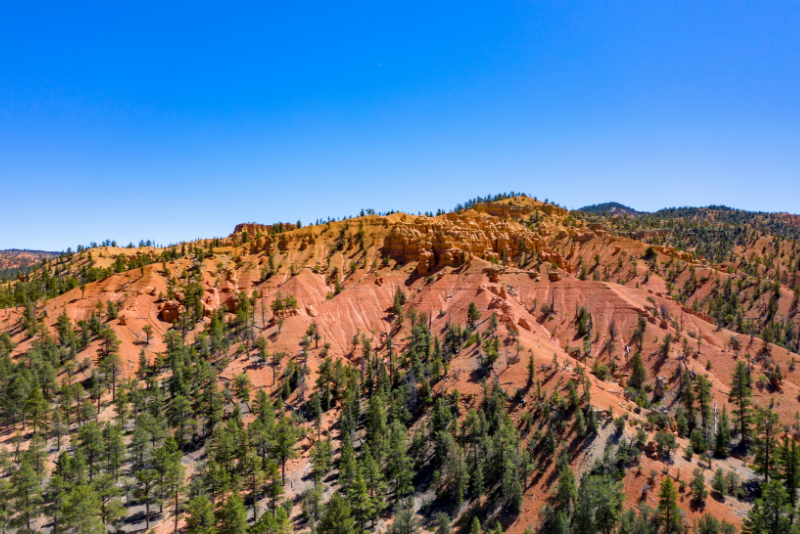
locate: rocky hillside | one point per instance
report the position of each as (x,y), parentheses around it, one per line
(509,365)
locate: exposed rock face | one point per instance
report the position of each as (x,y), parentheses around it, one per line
(444,240)
(211,301)
(311,310)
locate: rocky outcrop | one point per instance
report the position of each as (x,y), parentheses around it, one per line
(699,315)
(253,229)
(456,238)
(283,314)
(229,291)
(170,310)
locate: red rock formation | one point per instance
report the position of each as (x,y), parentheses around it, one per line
(170,310)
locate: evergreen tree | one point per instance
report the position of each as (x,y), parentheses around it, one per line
(598,506)
(687,400)
(362,504)
(54,498)
(702,391)
(286,436)
(740,394)
(698,485)
(708,524)
(668,506)
(200,516)
(765,443)
(475,527)
(233,516)
(722,442)
(399,467)
(638,372)
(531,370)
(82,511)
(566,490)
(337,517)
(146,485)
(769,515)
(473,315)
(788,458)
(110,496)
(27,494)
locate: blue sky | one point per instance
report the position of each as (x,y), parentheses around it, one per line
(133,121)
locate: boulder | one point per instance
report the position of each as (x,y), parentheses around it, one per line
(170,310)
(659,389)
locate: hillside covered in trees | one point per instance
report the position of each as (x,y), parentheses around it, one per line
(508,366)
(15,261)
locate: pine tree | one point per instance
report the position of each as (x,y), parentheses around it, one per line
(698,485)
(233,516)
(173,486)
(531,370)
(347,465)
(722,443)
(286,436)
(200,516)
(668,506)
(638,372)
(740,394)
(702,390)
(90,438)
(788,460)
(27,494)
(337,517)
(769,514)
(473,315)
(443,524)
(277,523)
(399,467)
(361,502)
(113,448)
(54,497)
(146,484)
(687,400)
(478,482)
(110,496)
(82,511)
(767,428)
(566,491)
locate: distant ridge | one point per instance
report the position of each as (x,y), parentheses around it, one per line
(610,208)
(15,260)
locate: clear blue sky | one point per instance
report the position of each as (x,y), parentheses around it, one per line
(168,121)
